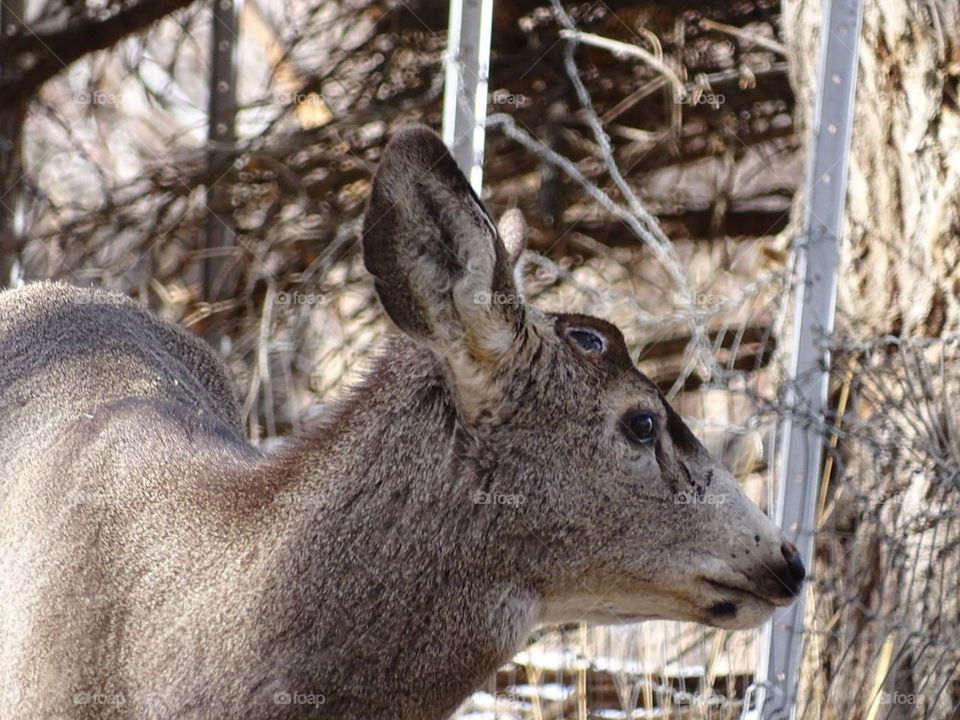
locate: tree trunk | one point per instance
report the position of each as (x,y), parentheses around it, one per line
(885,615)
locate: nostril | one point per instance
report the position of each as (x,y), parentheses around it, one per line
(794,562)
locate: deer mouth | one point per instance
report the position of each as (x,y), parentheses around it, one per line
(727,588)
(735,607)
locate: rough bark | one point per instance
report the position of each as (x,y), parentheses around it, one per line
(885,609)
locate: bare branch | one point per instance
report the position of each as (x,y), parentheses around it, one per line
(621,49)
(57,51)
(754,40)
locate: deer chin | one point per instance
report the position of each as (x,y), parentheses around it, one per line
(733,607)
(618,608)
(709,602)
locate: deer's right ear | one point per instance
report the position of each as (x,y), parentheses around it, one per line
(440,268)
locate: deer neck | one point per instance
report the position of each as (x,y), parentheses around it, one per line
(393,560)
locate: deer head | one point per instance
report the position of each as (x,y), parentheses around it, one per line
(621,512)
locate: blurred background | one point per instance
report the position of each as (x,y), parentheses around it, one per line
(213,160)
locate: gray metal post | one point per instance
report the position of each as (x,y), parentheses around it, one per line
(816,291)
(465,91)
(218,270)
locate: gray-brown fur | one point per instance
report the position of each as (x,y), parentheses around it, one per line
(155,565)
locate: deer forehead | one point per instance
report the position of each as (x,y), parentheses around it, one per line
(610,370)
(547,375)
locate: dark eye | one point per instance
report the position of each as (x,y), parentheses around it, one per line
(589,340)
(640,427)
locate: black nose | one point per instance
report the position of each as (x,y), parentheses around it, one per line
(795,572)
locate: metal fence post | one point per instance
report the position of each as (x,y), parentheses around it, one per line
(465,89)
(219,267)
(817,254)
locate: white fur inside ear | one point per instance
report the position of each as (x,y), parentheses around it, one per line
(513,233)
(472,295)
(487,337)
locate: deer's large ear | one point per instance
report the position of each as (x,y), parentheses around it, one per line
(440,268)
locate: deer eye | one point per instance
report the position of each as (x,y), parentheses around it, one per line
(640,427)
(589,340)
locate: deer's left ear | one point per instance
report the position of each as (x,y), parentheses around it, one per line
(441,270)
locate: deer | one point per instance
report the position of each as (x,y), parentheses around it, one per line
(497,467)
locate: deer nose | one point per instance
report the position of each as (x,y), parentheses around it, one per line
(794,570)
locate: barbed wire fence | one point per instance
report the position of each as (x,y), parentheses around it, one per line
(705,312)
